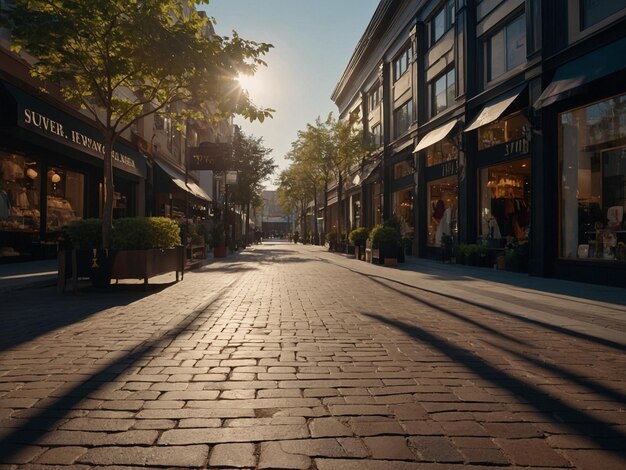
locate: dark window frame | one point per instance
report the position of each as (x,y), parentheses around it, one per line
(407,107)
(446,14)
(445,75)
(402,63)
(488,47)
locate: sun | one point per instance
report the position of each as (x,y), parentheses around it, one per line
(249,83)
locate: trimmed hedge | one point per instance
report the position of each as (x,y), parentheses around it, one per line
(132,233)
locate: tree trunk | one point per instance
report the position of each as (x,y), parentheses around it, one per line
(108,189)
(248,224)
(340,207)
(316,239)
(325,208)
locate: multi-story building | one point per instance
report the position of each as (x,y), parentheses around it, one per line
(501,121)
(51,164)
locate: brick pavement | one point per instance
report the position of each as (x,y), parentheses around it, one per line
(291,357)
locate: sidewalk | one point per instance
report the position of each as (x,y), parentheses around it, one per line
(43,273)
(36,274)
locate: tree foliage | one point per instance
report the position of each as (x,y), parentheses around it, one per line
(124,59)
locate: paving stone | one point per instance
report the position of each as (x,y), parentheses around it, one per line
(328,427)
(273,456)
(61,455)
(82,438)
(377,428)
(23,455)
(391,448)
(97,424)
(239,434)
(179,456)
(435,449)
(529,452)
(233,455)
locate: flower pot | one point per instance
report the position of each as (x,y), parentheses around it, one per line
(220,251)
(391,262)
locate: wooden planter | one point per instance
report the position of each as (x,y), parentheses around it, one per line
(391,262)
(220,251)
(101,266)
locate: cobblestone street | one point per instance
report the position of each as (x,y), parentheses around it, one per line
(288,356)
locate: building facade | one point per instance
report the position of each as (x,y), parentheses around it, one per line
(500,122)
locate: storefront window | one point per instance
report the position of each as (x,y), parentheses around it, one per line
(592,157)
(66,200)
(403,210)
(442,209)
(402,169)
(441,152)
(20,187)
(505,201)
(502,131)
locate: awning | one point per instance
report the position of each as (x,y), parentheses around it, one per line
(494,109)
(569,79)
(199,192)
(21,109)
(435,136)
(177,178)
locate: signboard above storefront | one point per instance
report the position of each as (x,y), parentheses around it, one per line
(210,156)
(41,118)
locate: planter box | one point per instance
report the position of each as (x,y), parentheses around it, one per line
(103,265)
(220,251)
(391,262)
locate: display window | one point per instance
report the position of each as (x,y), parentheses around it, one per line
(441,152)
(402,169)
(403,210)
(505,202)
(503,130)
(20,188)
(442,209)
(66,198)
(592,155)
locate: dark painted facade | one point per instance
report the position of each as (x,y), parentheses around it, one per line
(501,122)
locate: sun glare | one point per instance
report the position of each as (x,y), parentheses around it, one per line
(250,83)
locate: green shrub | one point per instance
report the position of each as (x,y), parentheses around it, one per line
(331,237)
(358,236)
(140,233)
(85,234)
(382,234)
(218,234)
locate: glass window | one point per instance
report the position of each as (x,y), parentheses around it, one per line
(594,11)
(502,131)
(402,118)
(442,21)
(376,135)
(403,209)
(592,157)
(374,97)
(443,91)
(506,49)
(66,198)
(442,209)
(401,64)
(441,152)
(402,169)
(505,201)
(20,187)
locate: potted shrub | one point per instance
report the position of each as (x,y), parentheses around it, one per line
(331,239)
(471,254)
(387,239)
(141,247)
(461,253)
(218,235)
(482,254)
(358,238)
(296,236)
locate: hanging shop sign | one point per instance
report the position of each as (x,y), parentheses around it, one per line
(443,170)
(210,156)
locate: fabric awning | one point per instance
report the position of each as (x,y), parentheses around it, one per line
(494,109)
(569,79)
(177,178)
(435,136)
(199,192)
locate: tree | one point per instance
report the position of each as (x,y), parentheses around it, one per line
(122,60)
(329,149)
(254,166)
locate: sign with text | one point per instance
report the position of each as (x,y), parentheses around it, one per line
(211,156)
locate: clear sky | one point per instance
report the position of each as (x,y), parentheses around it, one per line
(313,42)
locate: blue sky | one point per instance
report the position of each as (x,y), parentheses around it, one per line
(313,42)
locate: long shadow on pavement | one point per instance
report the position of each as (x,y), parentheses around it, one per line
(35,427)
(601,433)
(547,326)
(28,314)
(590,385)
